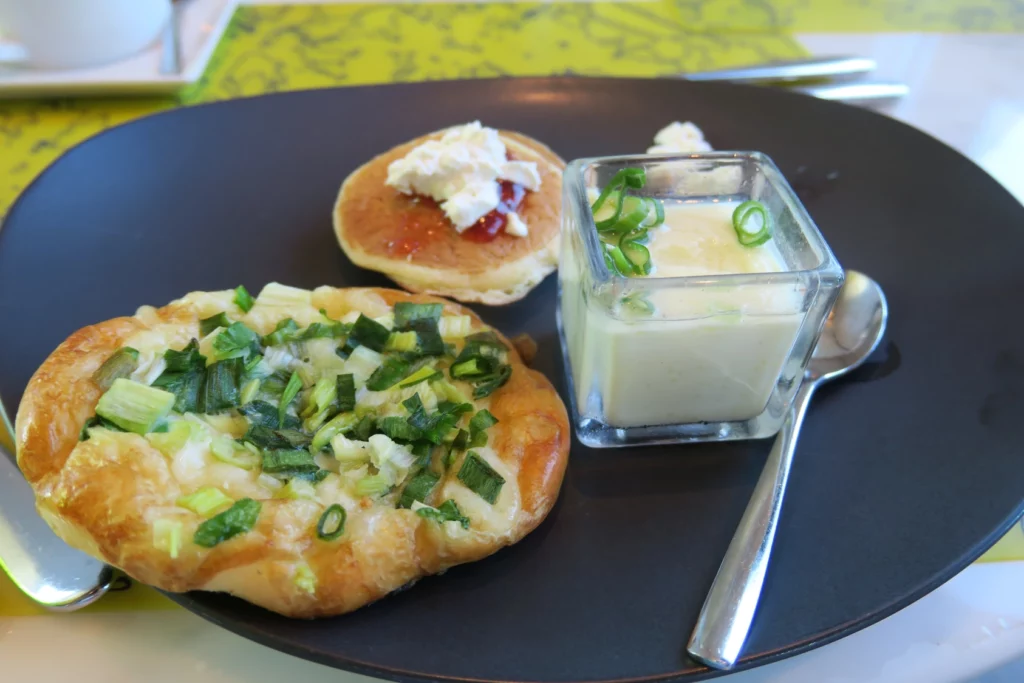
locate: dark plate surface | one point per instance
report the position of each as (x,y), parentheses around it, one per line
(904,474)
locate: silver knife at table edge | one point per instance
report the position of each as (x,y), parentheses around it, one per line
(45,568)
(791,73)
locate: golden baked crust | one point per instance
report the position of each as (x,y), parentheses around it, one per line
(410,240)
(104,494)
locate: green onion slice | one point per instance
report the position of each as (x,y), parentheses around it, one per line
(369,333)
(291,390)
(753,223)
(638,256)
(447,512)
(237,519)
(346,393)
(418,488)
(208,325)
(120,365)
(624,228)
(332,523)
(480,478)
(407,312)
(243,299)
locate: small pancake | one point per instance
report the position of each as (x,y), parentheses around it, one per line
(410,240)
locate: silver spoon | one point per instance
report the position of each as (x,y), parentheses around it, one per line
(851,333)
(45,568)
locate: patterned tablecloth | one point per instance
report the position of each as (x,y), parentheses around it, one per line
(271,48)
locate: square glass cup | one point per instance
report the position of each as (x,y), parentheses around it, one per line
(704,357)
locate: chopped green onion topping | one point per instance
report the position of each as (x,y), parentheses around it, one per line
(339,424)
(167,536)
(250,389)
(332,523)
(263,414)
(296,489)
(390,373)
(346,388)
(398,429)
(236,341)
(461,441)
(752,223)
(418,488)
(184,376)
(482,363)
(480,478)
(291,390)
(121,364)
(231,452)
(428,337)
(369,333)
(424,374)
(448,511)
(467,368)
(478,426)
(208,325)
(173,440)
(290,463)
(204,501)
(364,428)
(285,332)
(402,341)
(284,439)
(133,406)
(372,485)
(220,389)
(187,359)
(238,519)
(406,312)
(243,299)
(96,421)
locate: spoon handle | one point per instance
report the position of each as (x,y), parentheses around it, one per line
(728,610)
(49,571)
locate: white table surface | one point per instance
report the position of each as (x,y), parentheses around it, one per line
(968,91)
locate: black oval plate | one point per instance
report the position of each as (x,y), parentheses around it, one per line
(904,474)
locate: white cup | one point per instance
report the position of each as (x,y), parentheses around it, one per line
(66,34)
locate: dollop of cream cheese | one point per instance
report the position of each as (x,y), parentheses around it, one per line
(679,138)
(462,171)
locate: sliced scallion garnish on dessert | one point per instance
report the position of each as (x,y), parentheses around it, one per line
(622,221)
(134,407)
(753,223)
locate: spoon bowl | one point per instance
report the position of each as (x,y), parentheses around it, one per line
(852,332)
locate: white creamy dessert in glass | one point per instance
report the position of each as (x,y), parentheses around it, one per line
(700,330)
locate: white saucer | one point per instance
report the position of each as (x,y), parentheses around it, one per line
(202,24)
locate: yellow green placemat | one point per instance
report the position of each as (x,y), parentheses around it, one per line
(277,48)
(851,16)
